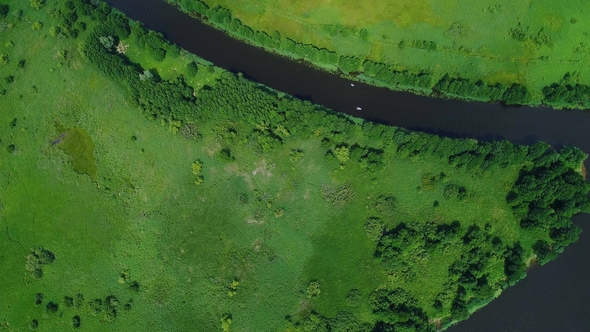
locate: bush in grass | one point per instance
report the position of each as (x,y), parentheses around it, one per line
(374,229)
(191,69)
(225,155)
(3,11)
(76,322)
(226,322)
(36,259)
(39,298)
(342,153)
(313,289)
(454,192)
(51,307)
(37,4)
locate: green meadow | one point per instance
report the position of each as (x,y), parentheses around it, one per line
(532,43)
(113,220)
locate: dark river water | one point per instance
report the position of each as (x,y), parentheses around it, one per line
(555,297)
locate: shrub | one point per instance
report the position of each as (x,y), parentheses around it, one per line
(37,4)
(191,69)
(313,289)
(3,11)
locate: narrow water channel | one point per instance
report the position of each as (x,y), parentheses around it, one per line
(552,298)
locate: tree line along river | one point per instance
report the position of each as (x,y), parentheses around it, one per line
(551,298)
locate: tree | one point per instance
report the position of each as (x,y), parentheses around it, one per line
(516,94)
(342,153)
(196,167)
(3,11)
(313,289)
(191,69)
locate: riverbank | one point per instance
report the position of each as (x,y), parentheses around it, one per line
(565,91)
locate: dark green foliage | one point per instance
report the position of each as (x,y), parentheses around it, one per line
(454,192)
(460,87)
(78,300)
(68,301)
(567,94)
(425,44)
(349,64)
(563,236)
(39,298)
(547,195)
(398,310)
(516,94)
(195,7)
(407,237)
(3,11)
(34,324)
(37,259)
(168,99)
(226,156)
(347,322)
(369,158)
(95,306)
(51,307)
(101,11)
(191,69)
(68,12)
(545,253)
(390,76)
(514,266)
(343,322)
(119,24)
(134,286)
(76,322)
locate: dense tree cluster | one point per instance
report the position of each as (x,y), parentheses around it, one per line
(548,193)
(343,322)
(398,310)
(567,94)
(389,75)
(171,99)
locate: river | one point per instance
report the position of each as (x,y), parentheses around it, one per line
(555,297)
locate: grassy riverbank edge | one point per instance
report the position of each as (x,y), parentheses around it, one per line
(516,94)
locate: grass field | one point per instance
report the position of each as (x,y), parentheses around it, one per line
(533,43)
(111,194)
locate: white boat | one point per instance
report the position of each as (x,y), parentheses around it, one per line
(351,84)
(359,108)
